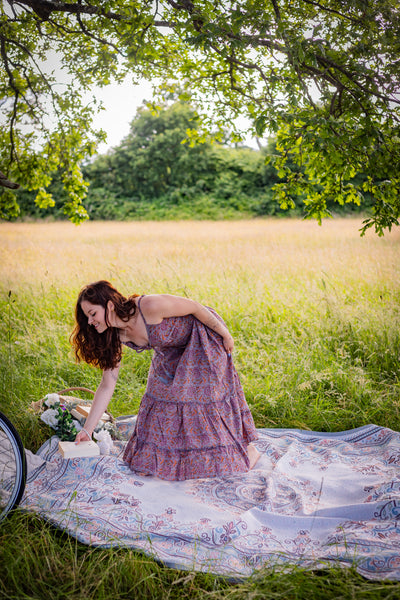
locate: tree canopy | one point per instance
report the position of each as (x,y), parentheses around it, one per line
(322,76)
(151,172)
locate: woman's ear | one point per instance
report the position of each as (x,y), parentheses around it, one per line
(110,305)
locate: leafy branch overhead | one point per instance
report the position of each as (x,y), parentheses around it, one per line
(323,77)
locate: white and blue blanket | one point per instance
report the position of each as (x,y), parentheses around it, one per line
(313,499)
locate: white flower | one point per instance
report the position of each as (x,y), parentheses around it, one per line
(104,440)
(104,448)
(50,417)
(103,436)
(52,399)
(77,425)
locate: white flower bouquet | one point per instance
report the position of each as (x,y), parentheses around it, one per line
(58,416)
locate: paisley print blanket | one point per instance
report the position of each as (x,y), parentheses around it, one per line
(313,499)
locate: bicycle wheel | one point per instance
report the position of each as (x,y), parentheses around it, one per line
(12,467)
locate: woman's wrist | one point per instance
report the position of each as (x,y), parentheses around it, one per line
(87,433)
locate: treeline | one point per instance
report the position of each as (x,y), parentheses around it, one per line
(153,174)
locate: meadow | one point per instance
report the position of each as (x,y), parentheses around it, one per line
(314,311)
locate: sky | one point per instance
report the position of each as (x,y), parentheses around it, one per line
(121,102)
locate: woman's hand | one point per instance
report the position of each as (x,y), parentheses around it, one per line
(82,436)
(228,342)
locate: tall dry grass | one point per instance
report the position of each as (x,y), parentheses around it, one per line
(277,257)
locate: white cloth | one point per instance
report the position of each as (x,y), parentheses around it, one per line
(313,499)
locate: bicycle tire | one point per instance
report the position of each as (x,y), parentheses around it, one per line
(12,467)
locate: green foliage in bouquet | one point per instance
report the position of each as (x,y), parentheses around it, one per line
(59,418)
(66,428)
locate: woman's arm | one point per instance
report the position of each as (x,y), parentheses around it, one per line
(100,402)
(159,307)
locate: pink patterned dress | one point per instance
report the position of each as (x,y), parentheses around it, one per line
(193,420)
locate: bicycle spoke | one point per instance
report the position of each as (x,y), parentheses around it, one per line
(12,467)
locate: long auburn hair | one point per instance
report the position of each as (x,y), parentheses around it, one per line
(102,350)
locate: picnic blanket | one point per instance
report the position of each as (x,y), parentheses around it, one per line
(314,500)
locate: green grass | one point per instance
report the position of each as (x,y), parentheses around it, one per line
(56,566)
(314,313)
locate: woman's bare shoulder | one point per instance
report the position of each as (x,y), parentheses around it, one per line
(151,306)
(158,306)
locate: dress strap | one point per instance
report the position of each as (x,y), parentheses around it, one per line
(140,310)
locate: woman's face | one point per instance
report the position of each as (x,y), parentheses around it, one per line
(96,315)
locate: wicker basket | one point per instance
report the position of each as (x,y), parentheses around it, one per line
(39,406)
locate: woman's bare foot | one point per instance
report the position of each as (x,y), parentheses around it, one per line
(253,455)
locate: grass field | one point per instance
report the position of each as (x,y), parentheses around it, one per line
(315,315)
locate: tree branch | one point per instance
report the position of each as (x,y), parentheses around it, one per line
(332,11)
(11,82)
(44,8)
(91,35)
(5,182)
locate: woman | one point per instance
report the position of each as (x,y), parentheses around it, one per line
(193,419)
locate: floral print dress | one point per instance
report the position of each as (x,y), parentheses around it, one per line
(193,420)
